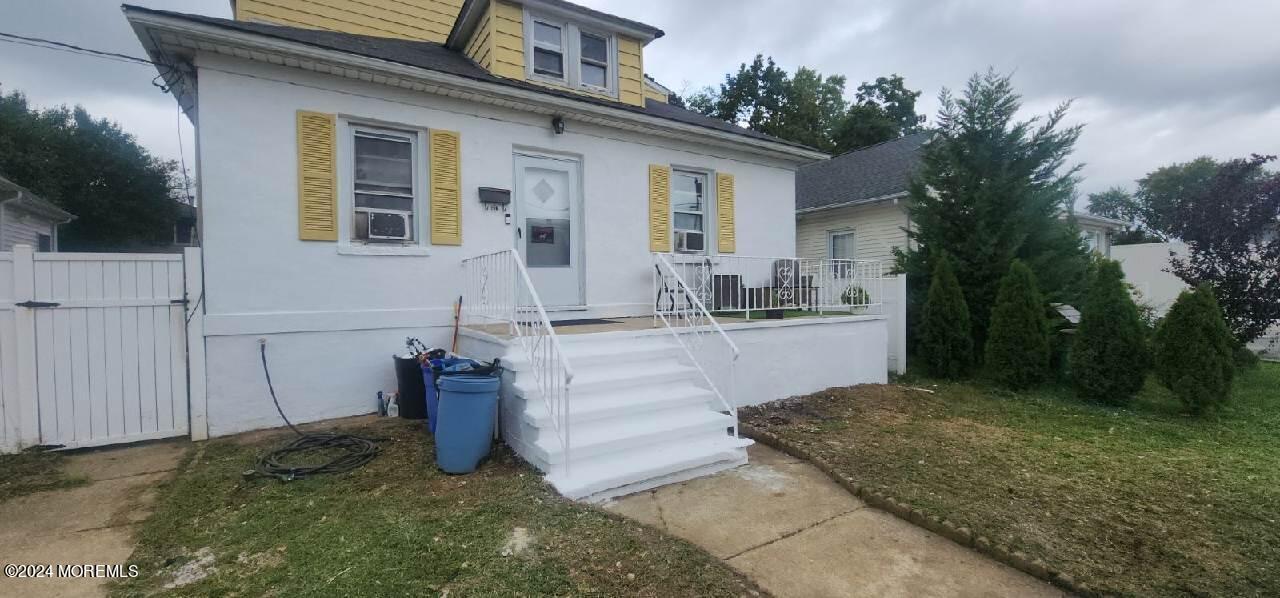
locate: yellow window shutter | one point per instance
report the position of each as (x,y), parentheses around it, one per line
(317,183)
(728,237)
(446,188)
(659,208)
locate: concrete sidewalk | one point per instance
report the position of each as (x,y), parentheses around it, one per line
(90,524)
(786,525)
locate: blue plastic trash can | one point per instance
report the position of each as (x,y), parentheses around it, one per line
(433,371)
(468,407)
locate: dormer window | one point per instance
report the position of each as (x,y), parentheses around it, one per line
(564,54)
(548,50)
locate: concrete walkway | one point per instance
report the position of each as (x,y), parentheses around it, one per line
(90,524)
(786,525)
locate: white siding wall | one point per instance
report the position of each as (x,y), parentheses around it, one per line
(878,228)
(332,321)
(18,227)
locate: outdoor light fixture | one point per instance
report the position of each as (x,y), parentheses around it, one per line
(557,124)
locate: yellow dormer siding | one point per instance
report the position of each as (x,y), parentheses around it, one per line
(630,72)
(653,93)
(425,20)
(508,40)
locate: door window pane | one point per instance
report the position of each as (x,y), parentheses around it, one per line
(546,242)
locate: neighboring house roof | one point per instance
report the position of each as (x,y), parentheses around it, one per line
(877,172)
(1099,221)
(436,57)
(16,195)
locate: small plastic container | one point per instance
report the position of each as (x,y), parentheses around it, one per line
(467,412)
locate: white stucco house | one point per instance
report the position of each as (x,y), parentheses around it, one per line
(28,219)
(365,167)
(855,204)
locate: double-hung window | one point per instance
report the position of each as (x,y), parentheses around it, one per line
(689,211)
(548,49)
(564,54)
(840,246)
(384,204)
(593,61)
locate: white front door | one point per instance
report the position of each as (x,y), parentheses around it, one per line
(548,216)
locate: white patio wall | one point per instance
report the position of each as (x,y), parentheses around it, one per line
(333,320)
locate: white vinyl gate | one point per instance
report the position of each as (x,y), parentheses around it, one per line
(94,347)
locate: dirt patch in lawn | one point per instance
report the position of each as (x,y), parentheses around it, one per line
(1138,501)
(399,527)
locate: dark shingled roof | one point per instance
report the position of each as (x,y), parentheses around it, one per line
(436,57)
(860,175)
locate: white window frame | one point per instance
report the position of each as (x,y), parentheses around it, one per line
(708,203)
(571,53)
(831,242)
(346,164)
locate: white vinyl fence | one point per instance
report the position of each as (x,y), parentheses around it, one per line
(93,347)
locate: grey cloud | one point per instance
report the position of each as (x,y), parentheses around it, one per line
(1156,82)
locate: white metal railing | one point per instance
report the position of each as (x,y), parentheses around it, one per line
(751,285)
(499,298)
(685,315)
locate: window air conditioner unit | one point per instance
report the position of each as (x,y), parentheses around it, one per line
(690,241)
(391,226)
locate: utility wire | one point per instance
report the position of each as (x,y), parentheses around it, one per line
(65,47)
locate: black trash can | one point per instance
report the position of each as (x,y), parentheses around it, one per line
(413,393)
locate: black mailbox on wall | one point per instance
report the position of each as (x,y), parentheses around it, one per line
(495,199)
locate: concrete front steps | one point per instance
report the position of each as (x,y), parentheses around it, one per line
(639,418)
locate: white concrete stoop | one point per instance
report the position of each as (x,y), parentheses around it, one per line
(639,418)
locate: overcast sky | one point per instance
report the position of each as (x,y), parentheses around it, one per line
(1155,82)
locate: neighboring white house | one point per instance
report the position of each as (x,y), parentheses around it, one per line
(28,219)
(855,204)
(1146,267)
(355,188)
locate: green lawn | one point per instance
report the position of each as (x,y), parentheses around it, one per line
(1141,501)
(398,527)
(28,472)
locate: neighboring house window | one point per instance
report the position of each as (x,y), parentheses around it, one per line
(384,206)
(841,245)
(44,242)
(689,211)
(564,54)
(548,49)
(1091,239)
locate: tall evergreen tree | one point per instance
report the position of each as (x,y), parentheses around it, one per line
(1194,351)
(990,190)
(946,339)
(1109,358)
(1017,350)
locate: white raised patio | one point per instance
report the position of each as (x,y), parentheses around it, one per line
(613,406)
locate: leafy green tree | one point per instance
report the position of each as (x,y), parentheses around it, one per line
(1232,230)
(809,108)
(120,193)
(946,339)
(1118,203)
(1162,192)
(990,190)
(883,110)
(1017,350)
(1109,358)
(1194,351)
